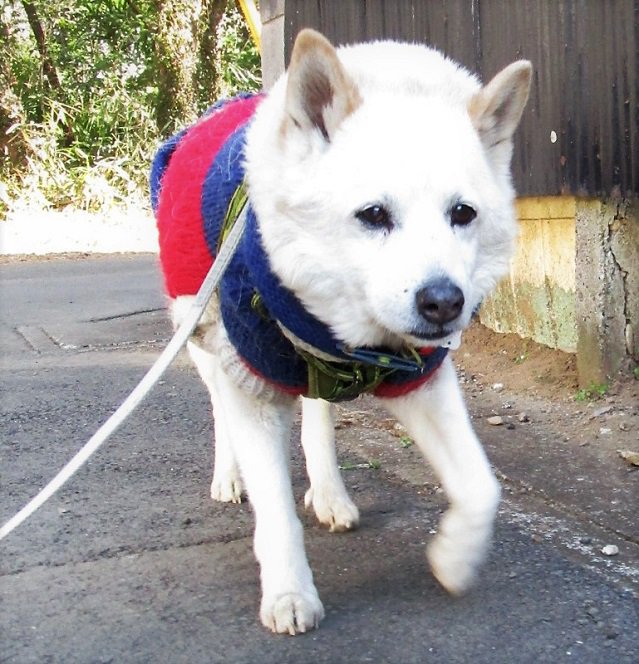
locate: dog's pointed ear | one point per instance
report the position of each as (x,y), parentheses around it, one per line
(496,109)
(319,92)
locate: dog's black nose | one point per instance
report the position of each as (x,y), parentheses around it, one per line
(439,301)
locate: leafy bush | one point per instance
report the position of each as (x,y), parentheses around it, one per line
(89,142)
(239,60)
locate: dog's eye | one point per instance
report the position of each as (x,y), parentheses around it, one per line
(462,214)
(375,216)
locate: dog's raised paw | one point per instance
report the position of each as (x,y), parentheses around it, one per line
(292,613)
(333,509)
(455,571)
(227,490)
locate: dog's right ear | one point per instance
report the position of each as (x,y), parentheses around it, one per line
(319,92)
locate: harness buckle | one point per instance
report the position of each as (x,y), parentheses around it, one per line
(340,382)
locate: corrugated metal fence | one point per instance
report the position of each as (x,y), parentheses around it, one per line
(580,132)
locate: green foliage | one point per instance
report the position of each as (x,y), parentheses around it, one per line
(406,441)
(592,392)
(238,57)
(635,372)
(90,141)
(56,176)
(101,50)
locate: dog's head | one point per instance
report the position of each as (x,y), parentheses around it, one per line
(380,175)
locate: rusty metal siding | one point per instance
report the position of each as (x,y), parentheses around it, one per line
(586,86)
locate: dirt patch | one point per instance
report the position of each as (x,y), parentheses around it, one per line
(523,365)
(540,384)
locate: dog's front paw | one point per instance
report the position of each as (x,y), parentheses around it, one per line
(227,489)
(451,567)
(292,613)
(463,539)
(333,509)
(458,550)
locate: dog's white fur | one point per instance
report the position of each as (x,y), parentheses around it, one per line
(382,123)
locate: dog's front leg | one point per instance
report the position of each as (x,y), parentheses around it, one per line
(436,417)
(327,493)
(259,433)
(226,485)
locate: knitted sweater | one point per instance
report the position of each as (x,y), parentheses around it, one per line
(193,178)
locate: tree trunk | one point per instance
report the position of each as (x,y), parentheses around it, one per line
(176,62)
(48,65)
(184,49)
(207,75)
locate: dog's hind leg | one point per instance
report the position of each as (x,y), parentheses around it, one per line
(436,418)
(327,493)
(227,484)
(260,432)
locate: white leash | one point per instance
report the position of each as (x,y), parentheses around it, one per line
(146,384)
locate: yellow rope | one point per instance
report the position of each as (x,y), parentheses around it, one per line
(252,16)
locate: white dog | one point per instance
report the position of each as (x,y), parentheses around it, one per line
(381,214)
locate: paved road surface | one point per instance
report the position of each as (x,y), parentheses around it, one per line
(132,562)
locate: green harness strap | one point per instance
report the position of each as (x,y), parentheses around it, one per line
(340,381)
(233,211)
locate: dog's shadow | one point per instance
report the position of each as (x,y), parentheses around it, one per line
(382,562)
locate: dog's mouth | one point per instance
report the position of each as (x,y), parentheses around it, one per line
(431,336)
(448,337)
(434,333)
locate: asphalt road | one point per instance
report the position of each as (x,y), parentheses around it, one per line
(132,561)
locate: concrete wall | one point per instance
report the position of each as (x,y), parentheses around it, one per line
(272,15)
(607,288)
(537,300)
(574,283)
